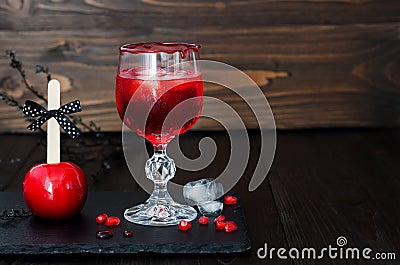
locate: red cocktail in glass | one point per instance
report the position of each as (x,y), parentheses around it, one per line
(159,94)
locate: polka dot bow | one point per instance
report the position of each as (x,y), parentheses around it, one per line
(33,109)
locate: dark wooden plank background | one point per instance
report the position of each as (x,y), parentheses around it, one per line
(319,63)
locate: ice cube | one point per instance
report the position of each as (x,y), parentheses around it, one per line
(210,208)
(203,190)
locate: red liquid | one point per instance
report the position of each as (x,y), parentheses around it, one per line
(144,105)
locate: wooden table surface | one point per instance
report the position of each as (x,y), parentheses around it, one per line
(323,184)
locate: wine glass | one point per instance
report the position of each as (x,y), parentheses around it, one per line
(159,94)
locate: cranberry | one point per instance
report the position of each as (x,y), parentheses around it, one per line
(230,226)
(104,234)
(220,225)
(128,233)
(203,220)
(112,221)
(219,218)
(101,218)
(184,225)
(229,199)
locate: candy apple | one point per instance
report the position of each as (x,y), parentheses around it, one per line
(55,191)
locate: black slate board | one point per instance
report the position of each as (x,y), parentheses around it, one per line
(32,235)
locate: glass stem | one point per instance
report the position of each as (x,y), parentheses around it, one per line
(160,169)
(160,191)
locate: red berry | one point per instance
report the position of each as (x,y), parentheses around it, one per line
(112,221)
(230,226)
(184,225)
(101,218)
(219,218)
(203,220)
(229,199)
(128,233)
(220,225)
(104,234)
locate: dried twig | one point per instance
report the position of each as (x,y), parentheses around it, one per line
(16,64)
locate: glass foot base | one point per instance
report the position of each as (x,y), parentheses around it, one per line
(159,213)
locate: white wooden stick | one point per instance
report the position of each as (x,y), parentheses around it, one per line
(53,129)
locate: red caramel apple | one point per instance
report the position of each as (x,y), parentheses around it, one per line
(55,191)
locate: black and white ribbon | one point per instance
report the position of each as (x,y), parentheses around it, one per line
(33,109)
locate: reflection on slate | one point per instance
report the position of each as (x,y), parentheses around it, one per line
(31,235)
